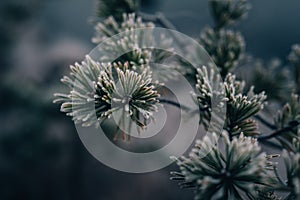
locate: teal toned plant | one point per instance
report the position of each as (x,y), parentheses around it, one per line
(229,162)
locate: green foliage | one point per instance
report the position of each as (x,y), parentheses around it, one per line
(226,12)
(267,195)
(128,42)
(210,85)
(224,169)
(292,163)
(288,120)
(271,77)
(131,45)
(225,47)
(116,8)
(110,26)
(240,107)
(94,89)
(78,103)
(130,93)
(294,58)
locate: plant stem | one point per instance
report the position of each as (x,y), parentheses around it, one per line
(265,122)
(278,132)
(173,103)
(164,22)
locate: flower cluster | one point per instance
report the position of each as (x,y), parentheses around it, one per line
(226,47)
(226,169)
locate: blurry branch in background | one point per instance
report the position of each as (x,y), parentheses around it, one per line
(294,58)
(273,78)
(116,8)
(33,152)
(225,46)
(227,12)
(160,19)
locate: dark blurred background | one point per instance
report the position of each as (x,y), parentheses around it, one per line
(41,156)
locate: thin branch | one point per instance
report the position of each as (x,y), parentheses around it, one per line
(158,18)
(279,132)
(265,122)
(271,144)
(164,22)
(173,103)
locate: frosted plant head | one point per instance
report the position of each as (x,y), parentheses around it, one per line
(240,107)
(78,101)
(225,169)
(102,88)
(129,94)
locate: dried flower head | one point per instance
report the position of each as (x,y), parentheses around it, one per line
(226,170)
(224,46)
